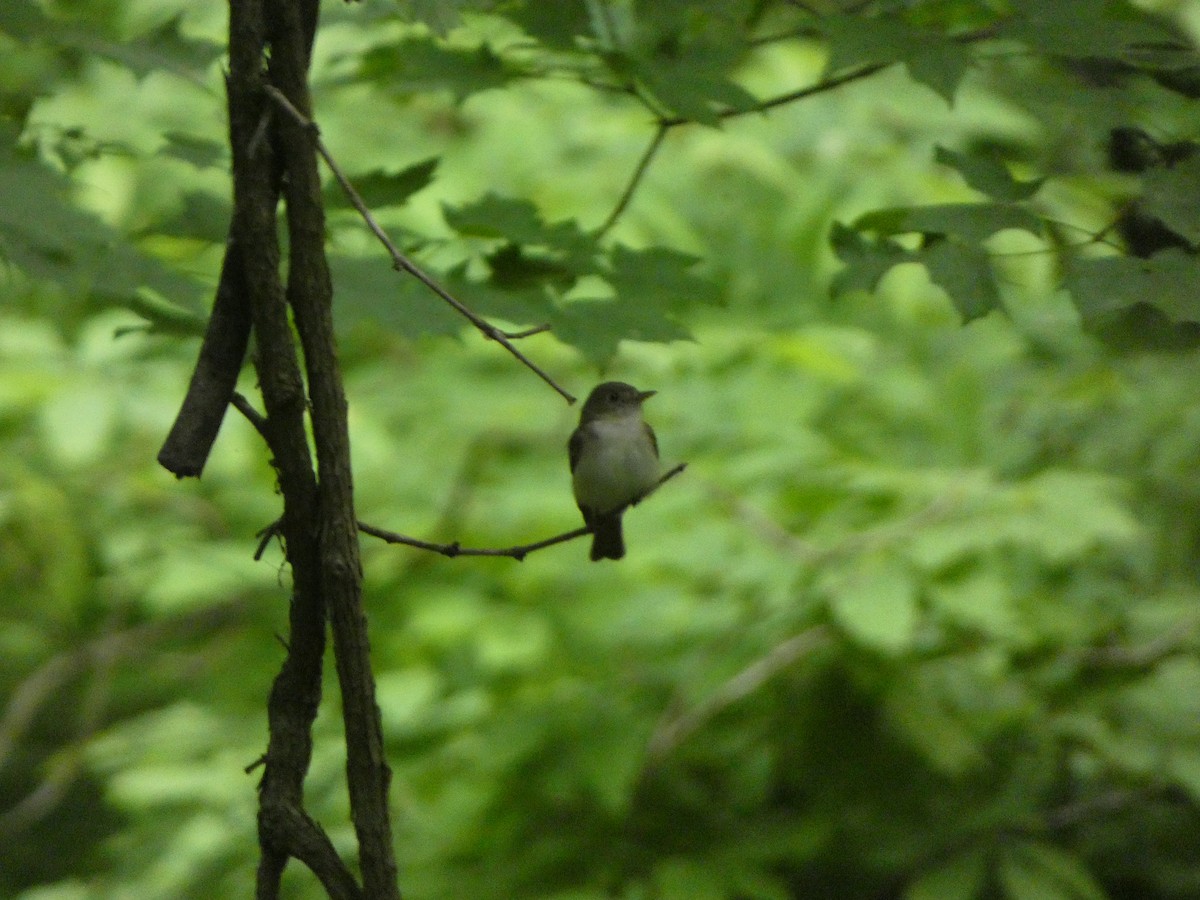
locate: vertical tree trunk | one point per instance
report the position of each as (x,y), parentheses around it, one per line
(318,525)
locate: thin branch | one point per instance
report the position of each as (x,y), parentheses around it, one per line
(517,552)
(1177,640)
(226,336)
(253,416)
(299,835)
(401,262)
(666,123)
(454,549)
(790,35)
(1093,237)
(265,536)
(791,96)
(636,179)
(674,730)
(528,332)
(44,688)
(1101,806)
(805,7)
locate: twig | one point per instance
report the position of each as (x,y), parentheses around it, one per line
(517,552)
(265,536)
(401,262)
(791,96)
(253,416)
(638,173)
(454,549)
(1071,814)
(675,729)
(666,123)
(528,332)
(1140,656)
(45,686)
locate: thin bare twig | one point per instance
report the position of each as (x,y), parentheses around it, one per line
(266,535)
(528,332)
(45,685)
(820,87)
(666,123)
(454,548)
(675,729)
(253,416)
(517,552)
(401,262)
(638,173)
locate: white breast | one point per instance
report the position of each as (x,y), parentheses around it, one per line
(618,465)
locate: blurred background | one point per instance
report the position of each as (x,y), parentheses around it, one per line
(919,620)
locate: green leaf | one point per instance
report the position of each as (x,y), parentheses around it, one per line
(520,222)
(876,604)
(368,291)
(46,235)
(866,261)
(864,40)
(980,600)
(424,64)
(557,24)
(165,317)
(1172,195)
(23,21)
(941,709)
(694,85)
(513,269)
(379,189)
(653,288)
(1169,281)
(970,222)
(439,15)
(685,879)
(163,48)
(962,269)
(959,879)
(1083,28)
(203,215)
(1167,701)
(596,327)
(931,58)
(1039,871)
(985,172)
(659,277)
(964,272)
(120,271)
(203,153)
(515,303)
(939,65)
(494,216)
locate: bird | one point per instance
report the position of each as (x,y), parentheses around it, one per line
(614,462)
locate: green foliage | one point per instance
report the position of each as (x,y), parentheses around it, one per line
(919,620)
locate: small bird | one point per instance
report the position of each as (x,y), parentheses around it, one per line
(614,461)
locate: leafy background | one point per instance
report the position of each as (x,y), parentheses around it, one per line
(919,621)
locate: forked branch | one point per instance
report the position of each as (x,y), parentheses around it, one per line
(403,264)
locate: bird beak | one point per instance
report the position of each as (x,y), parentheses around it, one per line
(643,396)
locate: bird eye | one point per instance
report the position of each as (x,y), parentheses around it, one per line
(614,396)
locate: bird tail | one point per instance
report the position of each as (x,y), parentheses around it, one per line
(607,540)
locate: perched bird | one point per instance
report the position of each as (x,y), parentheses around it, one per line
(614,461)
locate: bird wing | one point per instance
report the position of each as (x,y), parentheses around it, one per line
(653,440)
(575,447)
